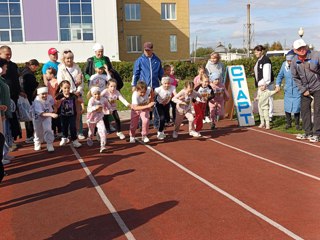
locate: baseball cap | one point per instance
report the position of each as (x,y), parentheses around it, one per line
(52,51)
(299,43)
(98,65)
(148,46)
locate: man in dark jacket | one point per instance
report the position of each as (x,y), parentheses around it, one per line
(305,70)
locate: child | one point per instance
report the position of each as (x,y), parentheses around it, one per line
(221,95)
(42,113)
(263,103)
(164,94)
(52,89)
(206,92)
(66,103)
(168,71)
(196,80)
(142,102)
(100,78)
(97,107)
(112,95)
(183,100)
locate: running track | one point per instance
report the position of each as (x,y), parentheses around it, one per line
(232,183)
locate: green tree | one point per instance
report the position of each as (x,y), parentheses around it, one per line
(276,46)
(202,52)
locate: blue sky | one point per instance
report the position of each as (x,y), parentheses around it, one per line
(214,21)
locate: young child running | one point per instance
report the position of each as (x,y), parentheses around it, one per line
(66,103)
(206,92)
(142,102)
(184,100)
(263,103)
(112,95)
(216,105)
(163,96)
(97,107)
(42,113)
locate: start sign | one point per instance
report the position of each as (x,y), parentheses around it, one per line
(240,93)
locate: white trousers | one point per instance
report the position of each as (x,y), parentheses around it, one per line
(43,130)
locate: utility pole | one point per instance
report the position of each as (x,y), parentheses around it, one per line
(248,30)
(195,49)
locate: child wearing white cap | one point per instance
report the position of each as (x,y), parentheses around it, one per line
(97,107)
(263,97)
(42,114)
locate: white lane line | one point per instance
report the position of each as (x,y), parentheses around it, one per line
(264,159)
(286,138)
(227,195)
(104,198)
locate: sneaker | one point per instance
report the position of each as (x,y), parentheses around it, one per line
(132,140)
(194,133)
(81,136)
(89,142)
(37,146)
(261,125)
(161,135)
(267,126)
(29,140)
(207,119)
(314,139)
(213,126)
(5,161)
(64,141)
(121,135)
(175,134)
(103,149)
(50,147)
(145,139)
(303,136)
(76,144)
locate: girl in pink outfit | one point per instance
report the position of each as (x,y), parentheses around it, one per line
(142,101)
(184,102)
(197,79)
(216,105)
(112,95)
(97,107)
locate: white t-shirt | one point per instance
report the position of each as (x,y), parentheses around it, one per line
(141,101)
(164,96)
(39,106)
(99,80)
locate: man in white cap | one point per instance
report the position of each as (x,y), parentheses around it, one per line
(305,70)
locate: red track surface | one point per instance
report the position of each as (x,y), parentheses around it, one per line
(50,196)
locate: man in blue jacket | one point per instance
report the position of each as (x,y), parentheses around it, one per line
(148,68)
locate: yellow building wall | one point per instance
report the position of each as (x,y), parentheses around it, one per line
(152,28)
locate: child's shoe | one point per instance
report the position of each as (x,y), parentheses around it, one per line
(145,139)
(121,135)
(63,141)
(29,140)
(89,142)
(207,119)
(213,126)
(81,136)
(132,140)
(37,146)
(303,136)
(261,125)
(161,135)
(267,126)
(76,144)
(50,147)
(314,139)
(194,133)
(103,149)
(174,134)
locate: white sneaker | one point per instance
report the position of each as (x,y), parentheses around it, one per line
(145,139)
(50,147)
(161,135)
(63,141)
(5,161)
(121,135)
(132,140)
(37,146)
(81,136)
(175,134)
(194,134)
(76,144)
(103,149)
(29,140)
(207,119)
(89,142)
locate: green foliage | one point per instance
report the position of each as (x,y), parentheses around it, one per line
(203,52)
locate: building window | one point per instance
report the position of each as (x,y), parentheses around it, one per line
(134,44)
(75,18)
(168,11)
(10,21)
(132,12)
(173,43)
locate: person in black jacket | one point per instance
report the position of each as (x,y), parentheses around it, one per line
(29,85)
(263,71)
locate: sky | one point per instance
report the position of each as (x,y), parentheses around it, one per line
(214,21)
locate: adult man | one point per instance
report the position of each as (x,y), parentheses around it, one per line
(53,63)
(305,69)
(148,68)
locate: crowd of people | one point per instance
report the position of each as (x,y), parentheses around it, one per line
(56,107)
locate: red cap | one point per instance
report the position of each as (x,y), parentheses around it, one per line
(148,46)
(52,51)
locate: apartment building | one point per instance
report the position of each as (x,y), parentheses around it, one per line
(31,27)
